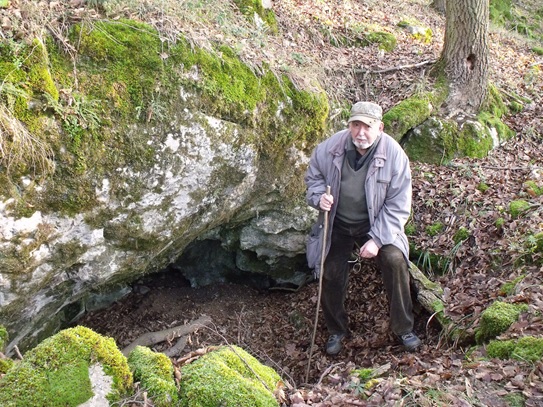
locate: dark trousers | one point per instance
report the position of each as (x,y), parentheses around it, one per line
(394,272)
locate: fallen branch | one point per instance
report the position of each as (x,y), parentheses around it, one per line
(151,338)
(398,68)
(176,349)
(429,294)
(17,352)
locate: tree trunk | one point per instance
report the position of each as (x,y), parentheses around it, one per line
(464,58)
(439,5)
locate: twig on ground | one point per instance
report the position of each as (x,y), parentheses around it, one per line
(398,68)
(329,370)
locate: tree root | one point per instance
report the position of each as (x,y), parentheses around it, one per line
(152,338)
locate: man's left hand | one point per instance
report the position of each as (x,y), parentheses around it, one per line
(369,250)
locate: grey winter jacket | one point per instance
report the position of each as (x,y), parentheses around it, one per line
(388,192)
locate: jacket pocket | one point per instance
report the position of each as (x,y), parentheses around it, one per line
(314,245)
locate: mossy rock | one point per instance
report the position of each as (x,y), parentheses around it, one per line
(385,40)
(56,372)
(229,377)
(434,141)
(527,348)
(417,31)
(438,141)
(407,115)
(475,139)
(496,319)
(154,371)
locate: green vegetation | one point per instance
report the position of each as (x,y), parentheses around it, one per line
(154,371)
(5,364)
(515,399)
(363,379)
(385,40)
(516,16)
(4,338)
(461,234)
(518,207)
(496,319)
(509,287)
(435,228)
(56,372)
(251,7)
(527,348)
(410,229)
(417,31)
(534,248)
(483,187)
(533,188)
(408,114)
(228,376)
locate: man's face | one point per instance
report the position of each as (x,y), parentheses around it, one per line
(364,135)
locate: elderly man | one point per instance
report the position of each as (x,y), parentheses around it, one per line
(370,201)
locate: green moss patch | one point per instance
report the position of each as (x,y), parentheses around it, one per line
(509,287)
(496,319)
(528,349)
(408,114)
(4,337)
(435,228)
(533,188)
(230,377)
(56,372)
(460,235)
(518,207)
(154,371)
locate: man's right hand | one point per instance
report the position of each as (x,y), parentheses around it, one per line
(326,202)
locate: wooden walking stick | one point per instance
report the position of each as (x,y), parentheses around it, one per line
(323,252)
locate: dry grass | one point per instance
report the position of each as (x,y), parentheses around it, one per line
(21,150)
